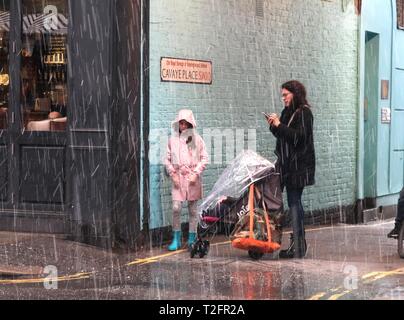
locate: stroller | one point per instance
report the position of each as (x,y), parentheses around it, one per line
(246,204)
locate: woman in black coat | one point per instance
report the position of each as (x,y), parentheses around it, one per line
(296,158)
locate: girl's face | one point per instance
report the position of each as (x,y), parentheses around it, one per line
(287,98)
(183,125)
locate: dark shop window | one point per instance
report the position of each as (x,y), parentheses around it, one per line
(400,14)
(4,62)
(44,65)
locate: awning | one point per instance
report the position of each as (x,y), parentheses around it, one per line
(37,23)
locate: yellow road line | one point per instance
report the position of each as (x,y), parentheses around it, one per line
(339,295)
(79,276)
(318,296)
(367,279)
(82,276)
(174,253)
(369,275)
(382,274)
(155,259)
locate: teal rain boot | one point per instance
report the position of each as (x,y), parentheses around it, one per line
(176,244)
(191,239)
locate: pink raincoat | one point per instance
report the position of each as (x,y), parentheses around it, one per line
(184,159)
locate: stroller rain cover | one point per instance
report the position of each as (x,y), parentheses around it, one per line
(247,168)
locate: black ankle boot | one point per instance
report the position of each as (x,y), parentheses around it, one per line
(289,252)
(294,251)
(394,233)
(301,249)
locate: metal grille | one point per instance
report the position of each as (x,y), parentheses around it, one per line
(259,8)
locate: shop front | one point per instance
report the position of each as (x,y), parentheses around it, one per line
(69,118)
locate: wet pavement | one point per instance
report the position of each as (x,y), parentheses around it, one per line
(343,262)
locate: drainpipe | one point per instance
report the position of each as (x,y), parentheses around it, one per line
(393,10)
(360,153)
(145,193)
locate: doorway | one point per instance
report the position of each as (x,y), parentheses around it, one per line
(371,107)
(33,139)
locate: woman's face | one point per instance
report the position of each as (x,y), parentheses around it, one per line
(287,97)
(184,125)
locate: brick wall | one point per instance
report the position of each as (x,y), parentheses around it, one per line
(311,41)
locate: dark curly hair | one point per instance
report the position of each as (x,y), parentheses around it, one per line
(299,92)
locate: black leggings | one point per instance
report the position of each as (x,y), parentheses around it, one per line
(296,210)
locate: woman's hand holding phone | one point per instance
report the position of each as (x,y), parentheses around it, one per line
(267,117)
(274,120)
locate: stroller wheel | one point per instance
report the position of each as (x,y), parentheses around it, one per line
(400,242)
(255,255)
(204,248)
(200,247)
(193,250)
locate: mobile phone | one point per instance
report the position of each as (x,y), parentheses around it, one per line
(266,115)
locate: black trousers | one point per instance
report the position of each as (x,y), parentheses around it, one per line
(297,215)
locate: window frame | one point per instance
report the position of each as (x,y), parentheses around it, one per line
(22,121)
(6,90)
(400,14)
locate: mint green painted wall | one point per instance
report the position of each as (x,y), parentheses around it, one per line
(379,16)
(397,106)
(312,41)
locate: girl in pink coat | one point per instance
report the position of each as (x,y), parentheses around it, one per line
(185,161)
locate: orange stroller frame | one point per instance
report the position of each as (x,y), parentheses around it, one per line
(258,239)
